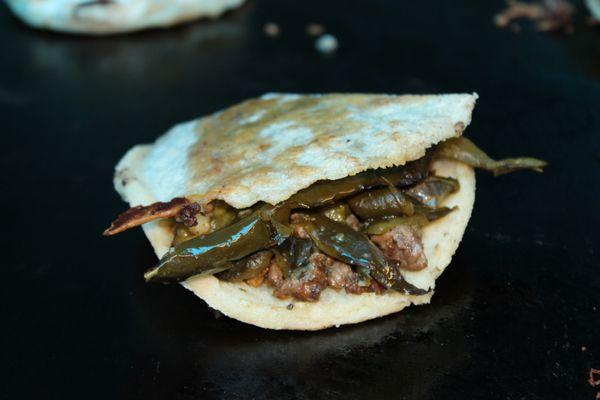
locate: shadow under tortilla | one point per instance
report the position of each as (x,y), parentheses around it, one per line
(197,352)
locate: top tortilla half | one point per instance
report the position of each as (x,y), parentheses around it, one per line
(268,148)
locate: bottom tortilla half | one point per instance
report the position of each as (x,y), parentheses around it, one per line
(257,306)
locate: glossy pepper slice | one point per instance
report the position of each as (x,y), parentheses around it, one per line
(247,268)
(337,212)
(422,217)
(207,255)
(377,203)
(293,253)
(328,192)
(341,242)
(433,190)
(463,150)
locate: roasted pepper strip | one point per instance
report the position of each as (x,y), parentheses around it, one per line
(337,212)
(463,150)
(247,268)
(422,217)
(139,215)
(341,242)
(377,203)
(293,253)
(329,192)
(433,190)
(207,255)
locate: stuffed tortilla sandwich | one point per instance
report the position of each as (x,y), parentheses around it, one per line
(309,211)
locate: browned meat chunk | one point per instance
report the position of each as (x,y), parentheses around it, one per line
(340,276)
(187,214)
(275,275)
(403,246)
(305,283)
(139,215)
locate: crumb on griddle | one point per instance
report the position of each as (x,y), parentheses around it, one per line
(315,29)
(326,44)
(271,29)
(548,15)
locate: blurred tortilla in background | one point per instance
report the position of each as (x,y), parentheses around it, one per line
(105,17)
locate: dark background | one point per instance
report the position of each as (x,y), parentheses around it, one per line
(510,315)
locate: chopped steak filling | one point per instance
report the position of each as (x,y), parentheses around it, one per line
(403,246)
(306,283)
(187,215)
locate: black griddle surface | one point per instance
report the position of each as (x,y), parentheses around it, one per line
(510,314)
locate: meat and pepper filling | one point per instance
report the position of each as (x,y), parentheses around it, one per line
(355,234)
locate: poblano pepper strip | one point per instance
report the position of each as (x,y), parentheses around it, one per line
(337,212)
(377,203)
(207,255)
(247,268)
(463,150)
(420,218)
(329,192)
(341,242)
(293,253)
(433,190)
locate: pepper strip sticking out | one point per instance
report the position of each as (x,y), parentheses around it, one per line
(433,190)
(139,215)
(207,255)
(463,150)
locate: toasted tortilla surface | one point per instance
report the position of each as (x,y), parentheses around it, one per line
(184,163)
(106,17)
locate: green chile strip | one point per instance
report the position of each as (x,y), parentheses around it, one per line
(207,255)
(337,212)
(433,190)
(341,242)
(293,253)
(247,268)
(421,217)
(379,202)
(463,150)
(328,192)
